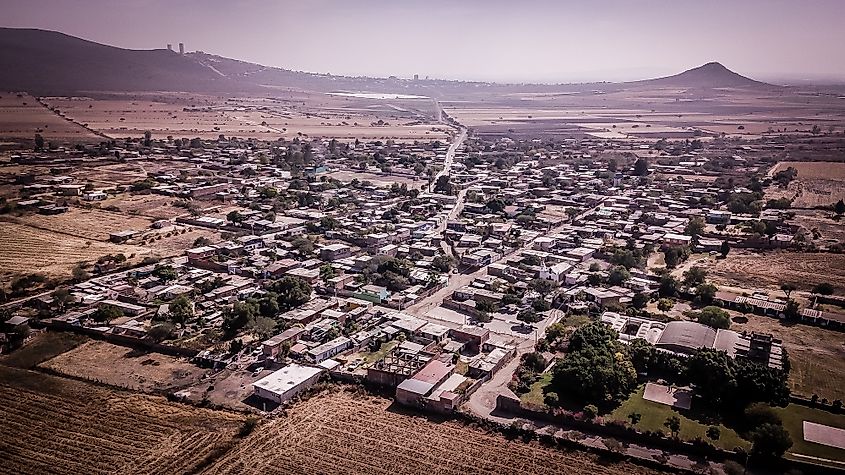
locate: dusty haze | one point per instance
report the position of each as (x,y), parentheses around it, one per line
(540,41)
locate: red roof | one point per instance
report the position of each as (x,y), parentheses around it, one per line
(433,372)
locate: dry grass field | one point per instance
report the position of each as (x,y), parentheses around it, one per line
(818,183)
(817,355)
(338,432)
(26,250)
(151,206)
(208,117)
(93,224)
(22,117)
(126,368)
(54,425)
(771,269)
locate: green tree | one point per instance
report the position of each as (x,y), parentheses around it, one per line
(543,286)
(39,143)
(327,273)
(165,272)
(618,275)
(705,293)
(664,305)
(181,310)
(529,316)
(107,313)
(292,292)
(713,433)
(235,217)
(590,412)
(714,317)
(787,289)
(673,423)
(161,332)
(725,248)
(695,226)
(695,276)
(635,418)
(639,300)
(303,246)
(596,369)
(770,441)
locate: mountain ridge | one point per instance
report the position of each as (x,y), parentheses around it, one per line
(45,62)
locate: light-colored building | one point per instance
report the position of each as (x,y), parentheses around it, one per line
(282,385)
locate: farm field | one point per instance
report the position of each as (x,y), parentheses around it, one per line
(151,206)
(127,368)
(208,117)
(22,117)
(341,432)
(27,250)
(816,355)
(53,425)
(95,224)
(818,183)
(771,269)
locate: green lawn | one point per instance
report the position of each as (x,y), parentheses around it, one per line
(576,321)
(655,414)
(534,397)
(793,420)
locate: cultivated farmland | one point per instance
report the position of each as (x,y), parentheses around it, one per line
(52,425)
(26,250)
(338,432)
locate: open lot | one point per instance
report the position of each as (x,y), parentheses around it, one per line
(340,432)
(126,368)
(54,425)
(816,355)
(771,269)
(42,347)
(818,183)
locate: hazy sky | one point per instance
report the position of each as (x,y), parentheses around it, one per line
(527,40)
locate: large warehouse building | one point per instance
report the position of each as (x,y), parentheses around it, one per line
(684,338)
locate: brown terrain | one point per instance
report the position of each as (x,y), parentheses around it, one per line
(340,431)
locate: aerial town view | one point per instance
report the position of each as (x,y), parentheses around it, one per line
(375,237)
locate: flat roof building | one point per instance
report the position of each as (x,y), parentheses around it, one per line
(282,385)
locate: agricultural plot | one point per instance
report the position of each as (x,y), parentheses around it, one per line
(22,117)
(94,224)
(123,367)
(151,206)
(26,250)
(338,432)
(52,425)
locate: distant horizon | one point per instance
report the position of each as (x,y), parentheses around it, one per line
(604,41)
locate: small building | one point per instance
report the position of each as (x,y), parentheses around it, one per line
(273,346)
(282,385)
(329,349)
